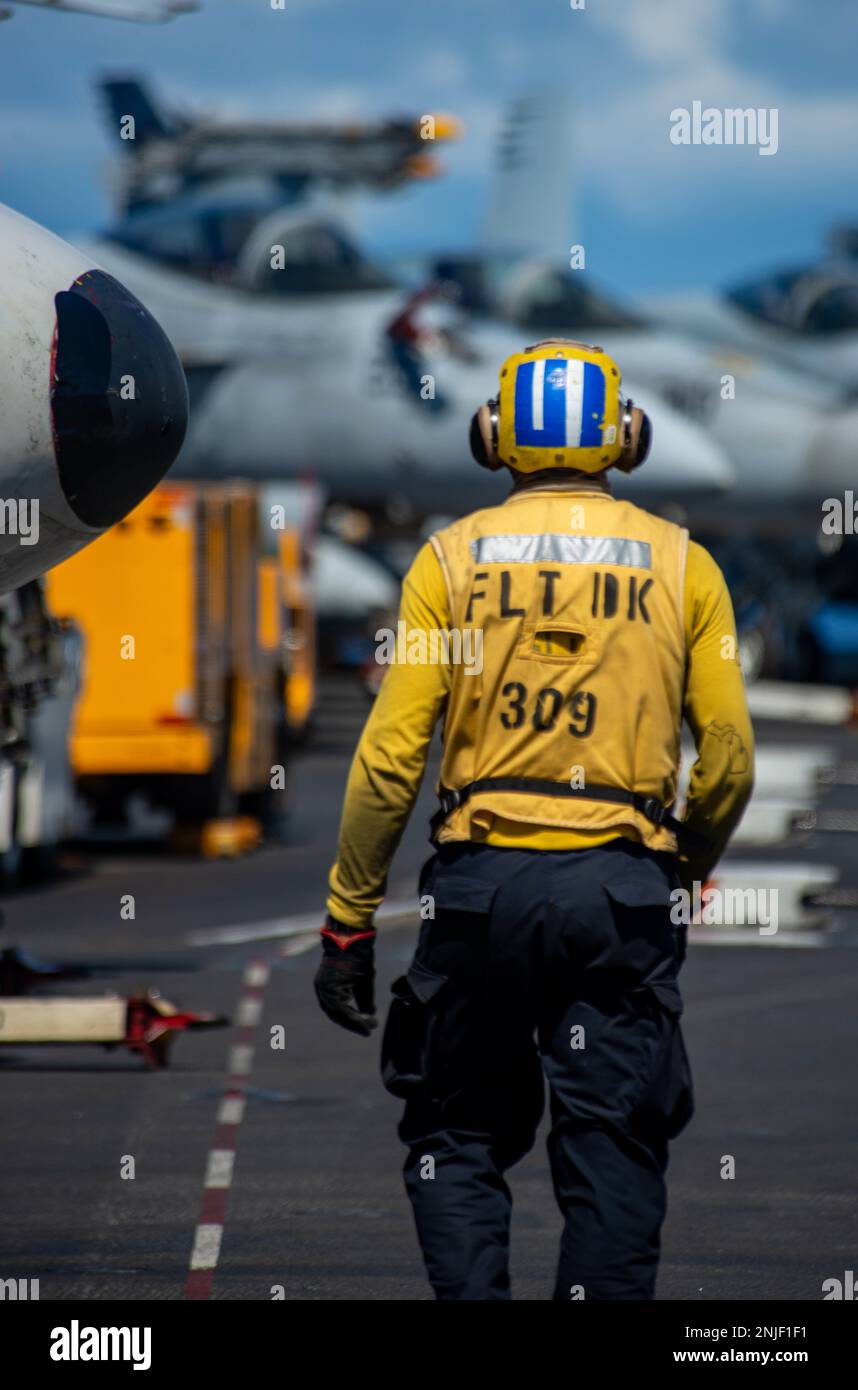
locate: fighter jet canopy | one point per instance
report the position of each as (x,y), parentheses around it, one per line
(808,301)
(201,233)
(532,294)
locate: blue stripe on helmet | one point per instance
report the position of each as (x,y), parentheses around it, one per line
(524,402)
(553,432)
(594,406)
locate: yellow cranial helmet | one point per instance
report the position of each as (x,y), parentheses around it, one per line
(560,406)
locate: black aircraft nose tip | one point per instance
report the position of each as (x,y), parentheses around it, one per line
(118,397)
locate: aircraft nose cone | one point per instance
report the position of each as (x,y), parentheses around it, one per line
(119,399)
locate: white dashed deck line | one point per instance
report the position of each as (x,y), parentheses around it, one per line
(206,1247)
(220,1167)
(231,1110)
(256,975)
(248,1013)
(220,1163)
(240,1060)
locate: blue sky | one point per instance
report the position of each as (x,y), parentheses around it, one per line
(651,215)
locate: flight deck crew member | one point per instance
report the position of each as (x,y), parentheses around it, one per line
(551,943)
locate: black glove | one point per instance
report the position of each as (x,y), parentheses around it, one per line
(345,980)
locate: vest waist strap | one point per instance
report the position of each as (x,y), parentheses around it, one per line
(649,806)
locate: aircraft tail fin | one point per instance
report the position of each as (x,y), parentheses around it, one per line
(128,96)
(530,211)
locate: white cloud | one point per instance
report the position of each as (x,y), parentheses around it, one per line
(664,32)
(670,33)
(443,67)
(624,144)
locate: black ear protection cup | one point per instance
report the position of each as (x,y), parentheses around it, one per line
(637,437)
(484,437)
(644,440)
(476,441)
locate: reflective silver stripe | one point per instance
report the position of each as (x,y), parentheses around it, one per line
(561,550)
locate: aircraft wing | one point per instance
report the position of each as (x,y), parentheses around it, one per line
(140,11)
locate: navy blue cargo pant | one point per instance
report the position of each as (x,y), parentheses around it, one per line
(562,963)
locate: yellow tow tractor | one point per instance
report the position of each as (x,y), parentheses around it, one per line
(185,663)
(299,627)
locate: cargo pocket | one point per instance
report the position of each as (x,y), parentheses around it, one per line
(651,946)
(456,892)
(647,886)
(668,1102)
(436,996)
(406,1048)
(643,903)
